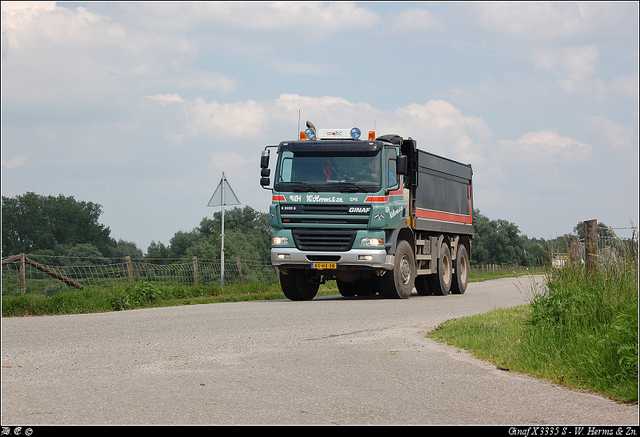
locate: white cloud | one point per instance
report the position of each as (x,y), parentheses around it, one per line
(165,99)
(443,129)
(17,161)
(308,20)
(41,42)
(416,20)
(545,21)
(306,68)
(615,135)
(314,17)
(17,14)
(573,66)
(208,80)
(542,148)
(240,120)
(627,86)
(540,160)
(230,161)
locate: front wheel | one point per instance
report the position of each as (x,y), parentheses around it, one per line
(398,283)
(296,287)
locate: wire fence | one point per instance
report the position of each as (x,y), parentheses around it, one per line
(46,275)
(35,278)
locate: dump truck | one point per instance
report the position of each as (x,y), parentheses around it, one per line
(378,216)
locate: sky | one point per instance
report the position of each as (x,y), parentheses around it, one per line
(141,106)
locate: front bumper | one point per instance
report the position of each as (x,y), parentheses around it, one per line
(344,260)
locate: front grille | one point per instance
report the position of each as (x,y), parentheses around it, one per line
(324,258)
(323,239)
(328,221)
(324,209)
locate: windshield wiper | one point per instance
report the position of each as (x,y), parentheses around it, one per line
(350,187)
(301,186)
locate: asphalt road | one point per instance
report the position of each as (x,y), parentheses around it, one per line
(327,361)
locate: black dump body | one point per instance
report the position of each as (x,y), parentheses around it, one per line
(441,197)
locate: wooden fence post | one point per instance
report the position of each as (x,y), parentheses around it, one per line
(239,269)
(195,270)
(591,244)
(23,278)
(129,269)
(23,260)
(574,250)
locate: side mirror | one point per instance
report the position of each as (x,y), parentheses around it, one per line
(265,182)
(264,159)
(401,165)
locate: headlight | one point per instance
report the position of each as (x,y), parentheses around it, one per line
(279,241)
(371,242)
(355,133)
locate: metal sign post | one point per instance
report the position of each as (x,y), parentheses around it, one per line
(223,195)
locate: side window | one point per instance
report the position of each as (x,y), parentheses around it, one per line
(286,167)
(391,176)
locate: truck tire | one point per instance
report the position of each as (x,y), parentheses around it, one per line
(368,287)
(347,289)
(359,287)
(462,267)
(440,282)
(295,286)
(422,285)
(398,283)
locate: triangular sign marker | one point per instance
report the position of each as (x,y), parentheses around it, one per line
(223,195)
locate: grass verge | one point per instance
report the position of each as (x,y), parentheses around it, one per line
(140,295)
(581,331)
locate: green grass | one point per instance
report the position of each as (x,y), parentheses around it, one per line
(503,272)
(580,331)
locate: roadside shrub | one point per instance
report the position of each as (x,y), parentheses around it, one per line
(586,323)
(137,295)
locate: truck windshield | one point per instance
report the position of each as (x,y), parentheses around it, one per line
(329,171)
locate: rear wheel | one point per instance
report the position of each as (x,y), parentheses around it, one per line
(368,287)
(398,283)
(359,287)
(347,289)
(296,287)
(422,285)
(461,276)
(440,282)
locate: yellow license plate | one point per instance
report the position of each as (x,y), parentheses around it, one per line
(323,265)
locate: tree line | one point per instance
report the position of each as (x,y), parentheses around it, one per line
(62,227)
(60,230)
